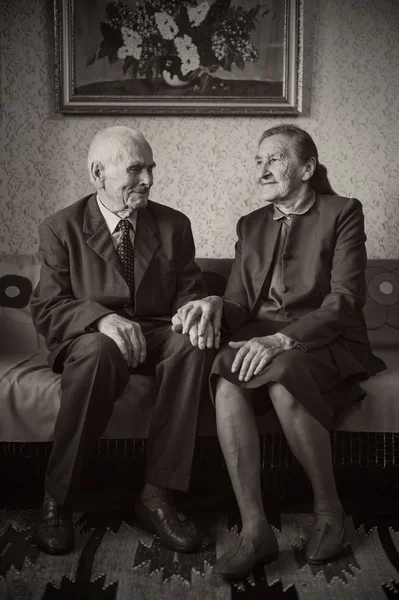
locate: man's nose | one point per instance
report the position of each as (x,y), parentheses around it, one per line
(146,178)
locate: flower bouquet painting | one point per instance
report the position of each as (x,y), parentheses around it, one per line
(178,39)
(171,56)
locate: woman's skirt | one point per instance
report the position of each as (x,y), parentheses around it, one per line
(315,378)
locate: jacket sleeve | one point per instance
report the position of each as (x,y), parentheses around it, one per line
(190,283)
(343,305)
(235,298)
(56,313)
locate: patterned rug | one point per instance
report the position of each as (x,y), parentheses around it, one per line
(115,560)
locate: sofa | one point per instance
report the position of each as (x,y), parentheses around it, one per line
(30,391)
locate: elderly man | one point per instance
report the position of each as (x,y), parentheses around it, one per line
(115,268)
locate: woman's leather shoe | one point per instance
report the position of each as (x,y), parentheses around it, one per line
(175,531)
(241,558)
(54,533)
(325,541)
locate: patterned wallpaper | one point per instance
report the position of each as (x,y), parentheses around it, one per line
(205,165)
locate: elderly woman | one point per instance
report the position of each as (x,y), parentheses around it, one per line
(294,302)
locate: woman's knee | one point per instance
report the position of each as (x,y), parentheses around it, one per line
(281,397)
(227,392)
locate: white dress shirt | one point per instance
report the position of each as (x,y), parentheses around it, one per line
(112,222)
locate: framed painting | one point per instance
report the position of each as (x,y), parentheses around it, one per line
(234,57)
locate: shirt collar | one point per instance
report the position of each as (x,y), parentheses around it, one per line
(112,220)
(300,210)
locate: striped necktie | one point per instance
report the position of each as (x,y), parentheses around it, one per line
(126,253)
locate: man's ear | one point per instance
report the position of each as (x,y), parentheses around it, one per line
(97,175)
(308,169)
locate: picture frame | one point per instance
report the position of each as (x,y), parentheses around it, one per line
(125,57)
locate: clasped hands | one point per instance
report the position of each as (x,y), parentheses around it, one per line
(201,321)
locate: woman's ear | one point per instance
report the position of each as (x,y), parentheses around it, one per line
(309,168)
(97,175)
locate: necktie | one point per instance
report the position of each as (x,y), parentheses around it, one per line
(126,254)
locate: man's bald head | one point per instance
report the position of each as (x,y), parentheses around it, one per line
(109,146)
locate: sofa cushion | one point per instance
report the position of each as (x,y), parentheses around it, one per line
(30,399)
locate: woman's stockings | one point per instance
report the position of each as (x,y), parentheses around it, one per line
(311,445)
(239,441)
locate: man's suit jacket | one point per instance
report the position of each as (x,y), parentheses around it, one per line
(323,274)
(82,277)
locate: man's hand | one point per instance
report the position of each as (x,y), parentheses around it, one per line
(205,341)
(204,312)
(255,354)
(127,335)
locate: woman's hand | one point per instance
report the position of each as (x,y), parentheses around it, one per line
(201,320)
(255,354)
(208,340)
(204,312)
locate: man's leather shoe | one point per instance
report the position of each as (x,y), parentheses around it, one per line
(325,541)
(241,558)
(54,533)
(175,531)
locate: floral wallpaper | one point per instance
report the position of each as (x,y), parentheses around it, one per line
(205,165)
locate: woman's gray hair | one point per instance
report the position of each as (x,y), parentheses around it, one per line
(305,149)
(108,145)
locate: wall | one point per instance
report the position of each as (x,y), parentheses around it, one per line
(205,165)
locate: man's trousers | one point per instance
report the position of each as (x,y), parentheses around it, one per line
(94,374)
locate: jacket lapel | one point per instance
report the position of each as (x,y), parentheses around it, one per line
(146,243)
(99,238)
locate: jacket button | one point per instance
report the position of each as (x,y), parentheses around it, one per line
(285,255)
(284,288)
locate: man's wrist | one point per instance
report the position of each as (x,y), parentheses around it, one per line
(94,325)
